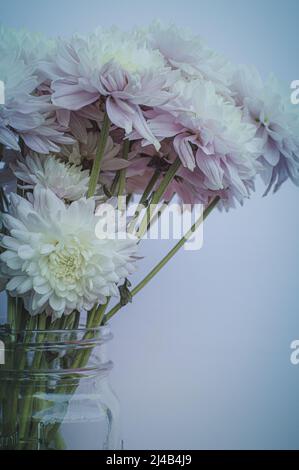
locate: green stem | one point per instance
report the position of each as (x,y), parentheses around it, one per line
(143,200)
(114,184)
(160,212)
(167,258)
(157,196)
(99,156)
(28,400)
(96,314)
(100,313)
(122,173)
(150,186)
(129,197)
(120,177)
(4,201)
(12,313)
(91,315)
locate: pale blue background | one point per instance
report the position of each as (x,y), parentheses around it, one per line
(202,357)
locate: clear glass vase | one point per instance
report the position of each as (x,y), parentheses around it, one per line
(55,392)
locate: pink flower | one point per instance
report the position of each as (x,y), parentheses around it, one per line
(86,152)
(80,123)
(188,53)
(25,115)
(115,66)
(209,134)
(267,106)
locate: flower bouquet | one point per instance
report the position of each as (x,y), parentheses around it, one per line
(118,120)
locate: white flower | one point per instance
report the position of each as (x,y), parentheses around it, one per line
(67,181)
(188,53)
(268,106)
(53,259)
(80,122)
(115,65)
(211,134)
(24,114)
(86,56)
(30,46)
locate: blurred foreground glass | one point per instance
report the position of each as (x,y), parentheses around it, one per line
(55,392)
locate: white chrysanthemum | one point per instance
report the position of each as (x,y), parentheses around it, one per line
(67,181)
(53,259)
(115,65)
(125,49)
(19,83)
(24,114)
(268,106)
(210,134)
(31,46)
(188,53)
(91,53)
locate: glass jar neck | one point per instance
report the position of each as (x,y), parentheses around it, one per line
(67,353)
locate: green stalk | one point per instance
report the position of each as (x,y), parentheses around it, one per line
(150,186)
(12,311)
(94,177)
(90,316)
(100,313)
(167,258)
(8,389)
(129,197)
(114,184)
(16,361)
(96,314)
(143,200)
(19,358)
(157,196)
(120,177)
(66,322)
(3,200)
(28,402)
(94,320)
(122,173)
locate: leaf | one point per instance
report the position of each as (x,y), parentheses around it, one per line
(125,293)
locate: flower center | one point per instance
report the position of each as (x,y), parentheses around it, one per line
(132,59)
(65,263)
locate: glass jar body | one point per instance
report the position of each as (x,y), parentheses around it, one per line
(55,391)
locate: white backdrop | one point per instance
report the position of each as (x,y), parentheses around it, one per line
(202,356)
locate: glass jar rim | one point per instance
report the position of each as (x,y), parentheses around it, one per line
(6,328)
(56,345)
(96,334)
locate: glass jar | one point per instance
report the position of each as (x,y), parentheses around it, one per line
(55,392)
